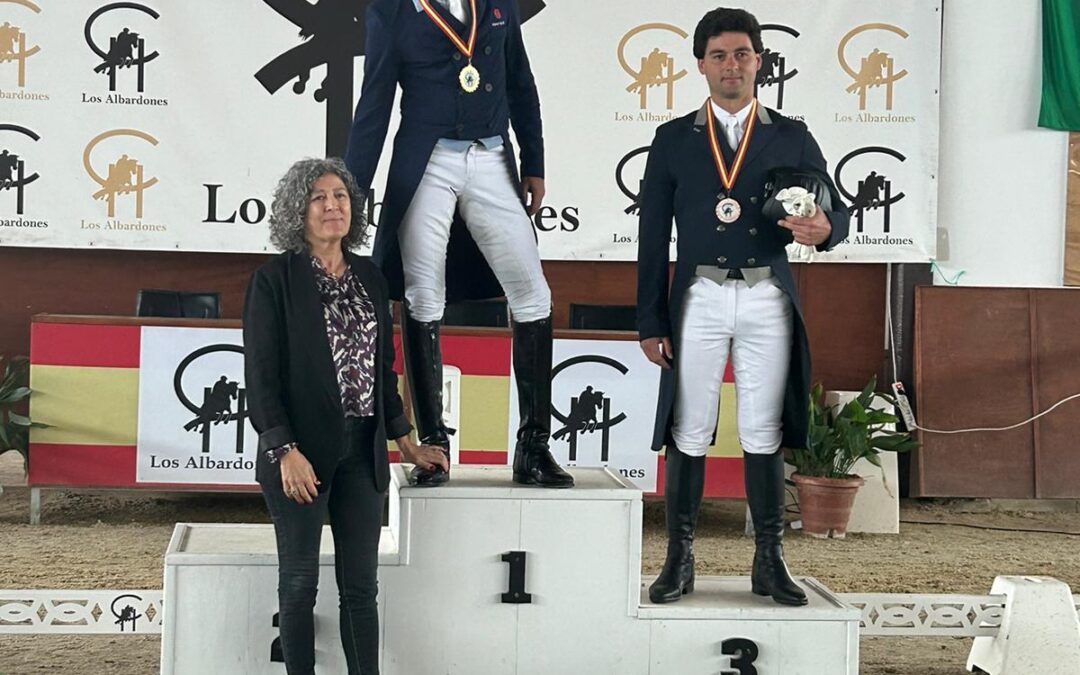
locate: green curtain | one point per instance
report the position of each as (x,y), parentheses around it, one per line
(1060,65)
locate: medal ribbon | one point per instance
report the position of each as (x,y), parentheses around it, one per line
(727,177)
(466,49)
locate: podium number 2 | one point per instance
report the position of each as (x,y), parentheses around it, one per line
(742,653)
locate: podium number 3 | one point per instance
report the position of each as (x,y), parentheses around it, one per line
(742,654)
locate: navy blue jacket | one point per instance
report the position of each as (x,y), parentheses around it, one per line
(681,184)
(404,47)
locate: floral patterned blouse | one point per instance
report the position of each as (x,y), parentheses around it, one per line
(351,328)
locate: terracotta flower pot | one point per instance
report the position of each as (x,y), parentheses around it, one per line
(825,504)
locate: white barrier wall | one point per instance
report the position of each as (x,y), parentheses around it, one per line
(1003,181)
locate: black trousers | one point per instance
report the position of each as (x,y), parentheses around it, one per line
(355,509)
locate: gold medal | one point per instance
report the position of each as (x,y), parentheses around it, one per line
(469,77)
(728,209)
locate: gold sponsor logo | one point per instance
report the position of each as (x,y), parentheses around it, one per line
(877,68)
(13,48)
(125,176)
(656,67)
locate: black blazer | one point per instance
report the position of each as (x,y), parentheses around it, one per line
(292,388)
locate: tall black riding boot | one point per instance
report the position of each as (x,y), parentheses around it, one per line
(764,475)
(684,485)
(533,463)
(424,368)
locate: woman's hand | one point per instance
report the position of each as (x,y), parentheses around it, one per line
(427,457)
(298,478)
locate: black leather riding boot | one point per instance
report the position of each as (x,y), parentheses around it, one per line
(424,368)
(764,475)
(533,463)
(684,485)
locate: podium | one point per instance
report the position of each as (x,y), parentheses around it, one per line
(481,576)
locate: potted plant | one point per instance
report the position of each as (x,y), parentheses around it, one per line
(840,436)
(14,392)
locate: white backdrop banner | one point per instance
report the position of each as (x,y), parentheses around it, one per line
(603,395)
(164,125)
(193,422)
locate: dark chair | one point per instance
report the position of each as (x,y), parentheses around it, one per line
(158,303)
(603,317)
(486,313)
(200,305)
(177,304)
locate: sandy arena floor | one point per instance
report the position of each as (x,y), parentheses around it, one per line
(116,541)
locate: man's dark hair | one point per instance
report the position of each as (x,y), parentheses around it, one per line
(726,20)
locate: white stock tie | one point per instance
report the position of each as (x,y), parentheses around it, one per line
(732,131)
(457,8)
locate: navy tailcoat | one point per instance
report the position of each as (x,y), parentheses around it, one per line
(682,185)
(404,47)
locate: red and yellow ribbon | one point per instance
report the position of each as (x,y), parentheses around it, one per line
(728,177)
(466,49)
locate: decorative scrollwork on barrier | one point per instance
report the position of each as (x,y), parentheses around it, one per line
(927,615)
(139,613)
(906,615)
(71,611)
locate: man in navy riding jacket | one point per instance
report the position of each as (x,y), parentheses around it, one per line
(455,221)
(732,295)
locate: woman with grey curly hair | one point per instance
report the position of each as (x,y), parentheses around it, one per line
(322,393)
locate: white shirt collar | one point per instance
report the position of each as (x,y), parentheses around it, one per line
(722,114)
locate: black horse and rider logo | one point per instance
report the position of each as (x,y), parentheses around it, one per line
(13,171)
(216,409)
(121,51)
(870,194)
(590,410)
(127,48)
(775,70)
(634,194)
(126,614)
(217,405)
(582,417)
(874,190)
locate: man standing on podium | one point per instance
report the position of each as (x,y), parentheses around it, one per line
(454,221)
(732,292)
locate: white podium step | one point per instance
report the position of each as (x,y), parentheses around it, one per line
(485,577)
(700,633)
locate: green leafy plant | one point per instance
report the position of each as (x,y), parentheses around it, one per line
(14,393)
(839,436)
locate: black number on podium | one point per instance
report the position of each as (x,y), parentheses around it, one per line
(516,594)
(276,656)
(743,653)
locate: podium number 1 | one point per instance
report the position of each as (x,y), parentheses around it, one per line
(516,595)
(741,656)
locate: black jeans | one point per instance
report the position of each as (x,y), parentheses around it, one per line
(355,509)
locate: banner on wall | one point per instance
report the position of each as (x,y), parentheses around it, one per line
(603,400)
(193,418)
(138,125)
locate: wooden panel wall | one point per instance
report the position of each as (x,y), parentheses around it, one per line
(844,304)
(992,357)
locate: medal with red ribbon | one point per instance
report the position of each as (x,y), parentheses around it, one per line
(728,208)
(469,77)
